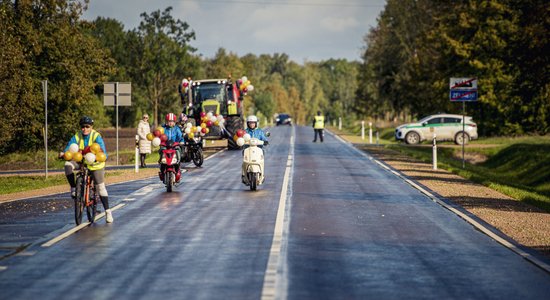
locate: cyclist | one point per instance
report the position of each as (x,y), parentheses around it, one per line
(84,138)
(253,129)
(174,134)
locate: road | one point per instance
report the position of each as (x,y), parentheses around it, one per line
(328,223)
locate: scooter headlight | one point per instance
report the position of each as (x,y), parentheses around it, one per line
(163,161)
(174,162)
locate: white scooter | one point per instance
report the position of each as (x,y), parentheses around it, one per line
(253,164)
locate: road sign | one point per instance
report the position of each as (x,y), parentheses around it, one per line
(122,95)
(463,89)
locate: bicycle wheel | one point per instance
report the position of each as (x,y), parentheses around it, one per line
(91,209)
(79,200)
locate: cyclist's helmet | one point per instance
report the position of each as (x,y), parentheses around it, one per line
(85,120)
(170,117)
(252,119)
(183,118)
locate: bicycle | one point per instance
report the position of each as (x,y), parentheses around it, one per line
(86,195)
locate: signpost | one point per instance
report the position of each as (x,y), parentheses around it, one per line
(117,94)
(463,89)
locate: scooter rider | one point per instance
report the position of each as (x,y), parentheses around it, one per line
(174,134)
(254,131)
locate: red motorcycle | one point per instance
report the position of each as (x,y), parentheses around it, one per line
(170,172)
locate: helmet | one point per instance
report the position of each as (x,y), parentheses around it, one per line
(182,118)
(252,119)
(170,117)
(85,120)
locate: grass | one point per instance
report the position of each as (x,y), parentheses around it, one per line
(516,166)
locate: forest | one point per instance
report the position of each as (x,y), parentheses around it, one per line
(402,75)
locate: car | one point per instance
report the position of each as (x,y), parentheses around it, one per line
(283,119)
(446,127)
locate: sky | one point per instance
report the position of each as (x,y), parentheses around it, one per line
(306,30)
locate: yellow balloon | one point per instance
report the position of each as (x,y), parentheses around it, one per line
(95,148)
(161,129)
(77,157)
(101,157)
(207,130)
(68,155)
(191,135)
(216,123)
(150,136)
(203,125)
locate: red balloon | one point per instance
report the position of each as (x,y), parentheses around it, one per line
(163,138)
(208,123)
(240,133)
(203,114)
(203,130)
(86,150)
(156,133)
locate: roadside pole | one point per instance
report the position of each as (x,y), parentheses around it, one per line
(117,94)
(463,134)
(137,153)
(362,130)
(463,89)
(45,90)
(339,123)
(370,133)
(434,152)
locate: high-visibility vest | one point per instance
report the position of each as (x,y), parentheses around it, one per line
(80,141)
(319,122)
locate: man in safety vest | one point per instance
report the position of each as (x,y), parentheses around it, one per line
(84,138)
(318,126)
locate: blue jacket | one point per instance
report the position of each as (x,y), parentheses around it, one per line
(87,141)
(173,133)
(256,133)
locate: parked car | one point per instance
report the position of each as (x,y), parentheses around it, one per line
(446,127)
(283,119)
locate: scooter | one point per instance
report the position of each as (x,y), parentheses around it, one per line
(253,173)
(169,172)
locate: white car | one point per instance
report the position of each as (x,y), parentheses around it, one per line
(445,126)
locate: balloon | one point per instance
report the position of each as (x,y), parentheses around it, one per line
(185,82)
(73,148)
(209,115)
(86,150)
(239,81)
(101,157)
(244,79)
(198,129)
(235,137)
(247,82)
(203,125)
(90,158)
(68,155)
(156,141)
(250,88)
(220,117)
(242,87)
(203,114)
(213,119)
(208,123)
(202,133)
(163,138)
(191,135)
(246,137)
(95,148)
(207,130)
(77,156)
(216,123)
(240,141)
(156,133)
(240,132)
(204,130)
(188,125)
(187,130)
(150,136)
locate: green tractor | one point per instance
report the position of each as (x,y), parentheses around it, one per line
(218,96)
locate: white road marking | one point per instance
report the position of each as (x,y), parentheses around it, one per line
(77,228)
(275,282)
(129,199)
(3,268)
(537,262)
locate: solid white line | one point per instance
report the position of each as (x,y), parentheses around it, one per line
(3,268)
(476,224)
(77,228)
(276,253)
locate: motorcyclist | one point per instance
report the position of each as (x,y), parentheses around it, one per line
(254,131)
(173,133)
(84,138)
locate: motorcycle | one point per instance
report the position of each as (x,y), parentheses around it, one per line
(253,163)
(192,151)
(170,172)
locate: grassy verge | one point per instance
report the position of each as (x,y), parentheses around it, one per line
(518,167)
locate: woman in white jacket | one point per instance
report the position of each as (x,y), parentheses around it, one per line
(144,143)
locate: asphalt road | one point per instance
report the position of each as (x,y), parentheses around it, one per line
(338,227)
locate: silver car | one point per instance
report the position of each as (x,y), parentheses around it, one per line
(446,127)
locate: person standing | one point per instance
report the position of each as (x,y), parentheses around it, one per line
(144,144)
(318,126)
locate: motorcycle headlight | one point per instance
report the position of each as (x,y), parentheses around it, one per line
(174,162)
(163,161)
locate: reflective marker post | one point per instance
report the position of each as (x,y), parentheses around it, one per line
(370,133)
(137,153)
(363,130)
(339,123)
(434,153)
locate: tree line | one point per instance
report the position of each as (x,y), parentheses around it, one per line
(407,61)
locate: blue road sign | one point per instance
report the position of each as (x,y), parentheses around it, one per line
(463,95)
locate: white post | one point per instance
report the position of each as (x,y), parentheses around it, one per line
(339,123)
(116,104)
(137,153)
(434,150)
(370,132)
(362,130)
(377,133)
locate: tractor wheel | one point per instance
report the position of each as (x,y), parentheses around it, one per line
(232,124)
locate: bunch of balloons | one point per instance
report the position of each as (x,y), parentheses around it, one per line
(157,136)
(185,85)
(208,120)
(241,137)
(244,85)
(90,154)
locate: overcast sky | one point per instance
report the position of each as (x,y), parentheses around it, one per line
(306,30)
